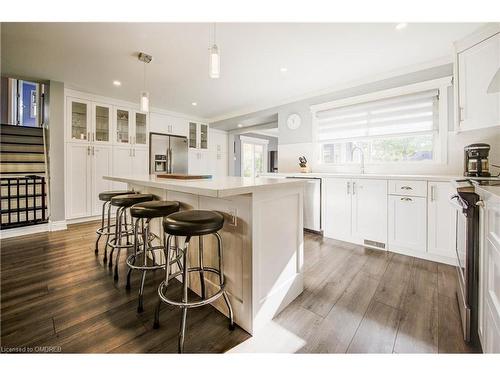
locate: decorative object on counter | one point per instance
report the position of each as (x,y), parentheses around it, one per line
(175,176)
(476,160)
(293,121)
(304,168)
(144,102)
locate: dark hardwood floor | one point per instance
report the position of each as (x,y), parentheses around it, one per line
(56,294)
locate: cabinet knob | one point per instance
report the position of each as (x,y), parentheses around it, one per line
(406,188)
(406,199)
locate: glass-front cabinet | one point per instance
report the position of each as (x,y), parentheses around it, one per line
(122,126)
(198,136)
(79,120)
(141,127)
(102,123)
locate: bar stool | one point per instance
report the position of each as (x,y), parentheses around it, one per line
(145,212)
(188,224)
(123,202)
(107,229)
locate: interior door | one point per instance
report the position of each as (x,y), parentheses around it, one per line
(253,159)
(78,169)
(101,156)
(369,210)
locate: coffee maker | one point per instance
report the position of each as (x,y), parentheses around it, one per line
(476,160)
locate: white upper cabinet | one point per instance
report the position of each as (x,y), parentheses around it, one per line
(198,136)
(167,124)
(123,125)
(476,64)
(78,112)
(140,134)
(441,216)
(369,212)
(102,123)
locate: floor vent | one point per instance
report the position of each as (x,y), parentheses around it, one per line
(380,245)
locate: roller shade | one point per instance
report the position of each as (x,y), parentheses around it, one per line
(402,115)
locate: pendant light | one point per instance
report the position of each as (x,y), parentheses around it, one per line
(214,58)
(144,100)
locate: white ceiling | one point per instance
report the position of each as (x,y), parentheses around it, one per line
(89,56)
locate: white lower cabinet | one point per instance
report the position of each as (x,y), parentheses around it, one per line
(369,212)
(356,211)
(441,216)
(407,224)
(85,166)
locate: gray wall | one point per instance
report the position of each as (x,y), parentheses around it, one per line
(302,107)
(272,146)
(56,150)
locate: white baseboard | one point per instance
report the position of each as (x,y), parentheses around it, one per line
(84,219)
(32,229)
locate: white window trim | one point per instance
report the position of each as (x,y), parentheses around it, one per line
(441,145)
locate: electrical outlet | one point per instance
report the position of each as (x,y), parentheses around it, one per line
(234,217)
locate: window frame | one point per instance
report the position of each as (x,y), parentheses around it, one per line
(254,141)
(441,144)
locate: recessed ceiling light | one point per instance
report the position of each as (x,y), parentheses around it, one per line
(194,104)
(117,83)
(283,70)
(240,125)
(401,26)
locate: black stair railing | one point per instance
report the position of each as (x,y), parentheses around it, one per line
(23,201)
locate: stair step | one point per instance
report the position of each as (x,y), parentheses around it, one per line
(21,158)
(22,168)
(22,139)
(20,130)
(24,149)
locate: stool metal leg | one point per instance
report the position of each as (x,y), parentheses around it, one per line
(221,280)
(105,259)
(166,252)
(145,234)
(185,279)
(200,261)
(117,235)
(136,245)
(119,239)
(102,226)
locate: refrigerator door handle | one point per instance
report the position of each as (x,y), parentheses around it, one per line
(170,160)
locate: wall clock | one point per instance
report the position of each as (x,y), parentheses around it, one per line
(293,121)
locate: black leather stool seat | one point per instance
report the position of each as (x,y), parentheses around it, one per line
(107,195)
(193,223)
(152,209)
(128,200)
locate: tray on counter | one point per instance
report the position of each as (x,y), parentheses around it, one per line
(177,176)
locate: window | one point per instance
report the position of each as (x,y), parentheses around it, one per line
(253,156)
(403,125)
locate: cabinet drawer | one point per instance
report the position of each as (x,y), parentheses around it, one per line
(410,188)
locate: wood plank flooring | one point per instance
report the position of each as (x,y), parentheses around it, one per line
(56,293)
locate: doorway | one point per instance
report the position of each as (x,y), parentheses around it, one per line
(253,156)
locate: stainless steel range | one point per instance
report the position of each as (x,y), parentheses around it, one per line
(467,204)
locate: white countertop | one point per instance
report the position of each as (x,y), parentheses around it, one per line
(215,187)
(367,175)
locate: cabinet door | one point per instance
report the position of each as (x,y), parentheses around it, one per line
(101,166)
(79,125)
(492,299)
(407,224)
(203,136)
(441,220)
(221,164)
(337,212)
(140,128)
(122,164)
(194,162)
(78,169)
(123,125)
(193,135)
(140,161)
(101,127)
(369,211)
(476,68)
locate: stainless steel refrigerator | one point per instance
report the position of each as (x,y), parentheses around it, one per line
(168,154)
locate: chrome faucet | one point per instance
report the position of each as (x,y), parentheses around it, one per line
(362,157)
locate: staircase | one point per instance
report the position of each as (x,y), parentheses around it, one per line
(23,176)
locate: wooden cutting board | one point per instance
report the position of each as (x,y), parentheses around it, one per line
(175,176)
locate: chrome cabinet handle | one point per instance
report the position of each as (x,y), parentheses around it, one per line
(432,192)
(348,188)
(353,188)
(88,136)
(406,188)
(406,199)
(93,152)
(88,150)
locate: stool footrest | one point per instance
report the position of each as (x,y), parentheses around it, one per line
(131,259)
(193,304)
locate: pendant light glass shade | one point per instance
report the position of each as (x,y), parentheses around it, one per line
(214,62)
(144,101)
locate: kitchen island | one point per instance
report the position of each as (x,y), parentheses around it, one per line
(262,237)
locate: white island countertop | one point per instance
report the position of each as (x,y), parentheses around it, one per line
(417,177)
(215,187)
